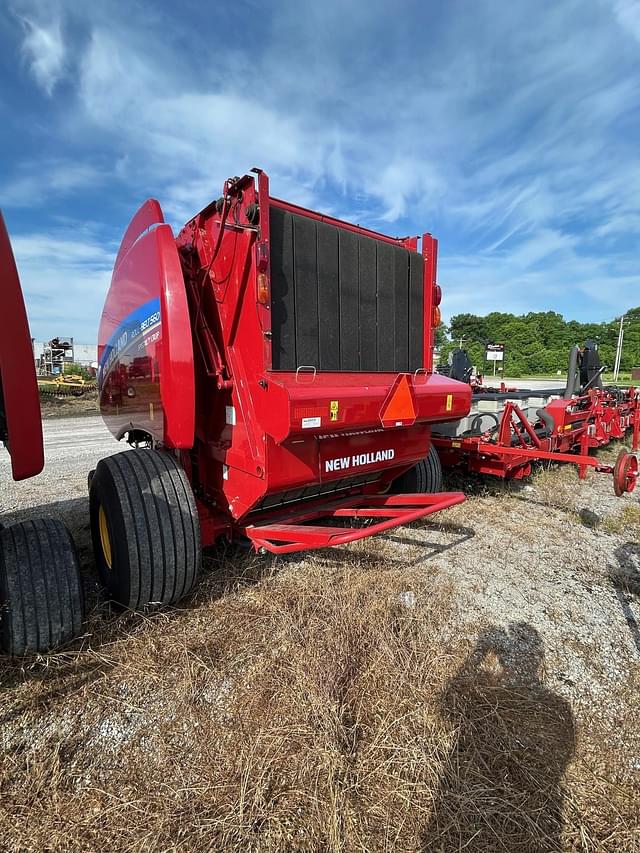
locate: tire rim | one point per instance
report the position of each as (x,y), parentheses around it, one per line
(105,540)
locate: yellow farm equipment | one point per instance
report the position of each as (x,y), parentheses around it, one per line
(65,385)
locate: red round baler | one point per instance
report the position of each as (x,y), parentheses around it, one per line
(273,369)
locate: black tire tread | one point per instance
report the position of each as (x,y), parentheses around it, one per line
(423,478)
(149,493)
(40,587)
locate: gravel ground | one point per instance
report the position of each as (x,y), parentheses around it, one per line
(72,448)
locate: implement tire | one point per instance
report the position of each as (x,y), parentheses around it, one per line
(145,529)
(40,588)
(423,478)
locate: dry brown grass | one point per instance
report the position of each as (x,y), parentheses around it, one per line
(557,487)
(304,707)
(626,522)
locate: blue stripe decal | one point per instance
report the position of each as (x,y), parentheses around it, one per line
(134,326)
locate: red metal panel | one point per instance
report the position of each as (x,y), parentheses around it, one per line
(177,380)
(341,456)
(263,264)
(18,383)
(146,375)
(293,399)
(147,215)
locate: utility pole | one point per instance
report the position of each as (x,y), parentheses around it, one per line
(616,367)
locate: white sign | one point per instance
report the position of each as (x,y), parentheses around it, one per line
(494,352)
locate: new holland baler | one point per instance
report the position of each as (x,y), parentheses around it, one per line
(41,603)
(276,366)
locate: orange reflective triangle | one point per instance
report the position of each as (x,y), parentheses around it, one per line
(400,407)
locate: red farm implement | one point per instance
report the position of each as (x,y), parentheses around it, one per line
(509,429)
(277,364)
(41,601)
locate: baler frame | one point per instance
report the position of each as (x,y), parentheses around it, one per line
(225,363)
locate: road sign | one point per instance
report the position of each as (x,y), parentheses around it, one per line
(494,352)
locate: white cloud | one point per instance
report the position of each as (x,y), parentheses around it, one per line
(38,179)
(628,14)
(44,51)
(65,276)
(494,283)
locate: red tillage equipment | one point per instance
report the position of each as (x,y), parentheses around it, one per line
(501,437)
(41,601)
(277,363)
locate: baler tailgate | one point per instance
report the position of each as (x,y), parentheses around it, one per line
(284,534)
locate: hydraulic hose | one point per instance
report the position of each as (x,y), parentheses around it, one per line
(476,424)
(547,420)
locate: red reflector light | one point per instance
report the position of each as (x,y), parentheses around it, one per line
(399,408)
(437,317)
(263,289)
(437,295)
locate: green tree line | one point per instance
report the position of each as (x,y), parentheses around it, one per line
(538,342)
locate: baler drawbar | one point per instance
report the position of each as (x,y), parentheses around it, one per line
(277,364)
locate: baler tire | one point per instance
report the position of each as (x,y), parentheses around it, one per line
(423,478)
(40,587)
(145,504)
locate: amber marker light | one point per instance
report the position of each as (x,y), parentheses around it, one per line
(263,289)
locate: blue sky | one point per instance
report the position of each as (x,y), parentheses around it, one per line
(510,130)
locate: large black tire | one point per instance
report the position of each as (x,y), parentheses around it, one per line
(40,587)
(423,478)
(145,528)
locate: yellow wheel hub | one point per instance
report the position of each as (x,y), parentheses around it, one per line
(104,536)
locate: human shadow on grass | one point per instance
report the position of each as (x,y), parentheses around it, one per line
(625,579)
(501,785)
